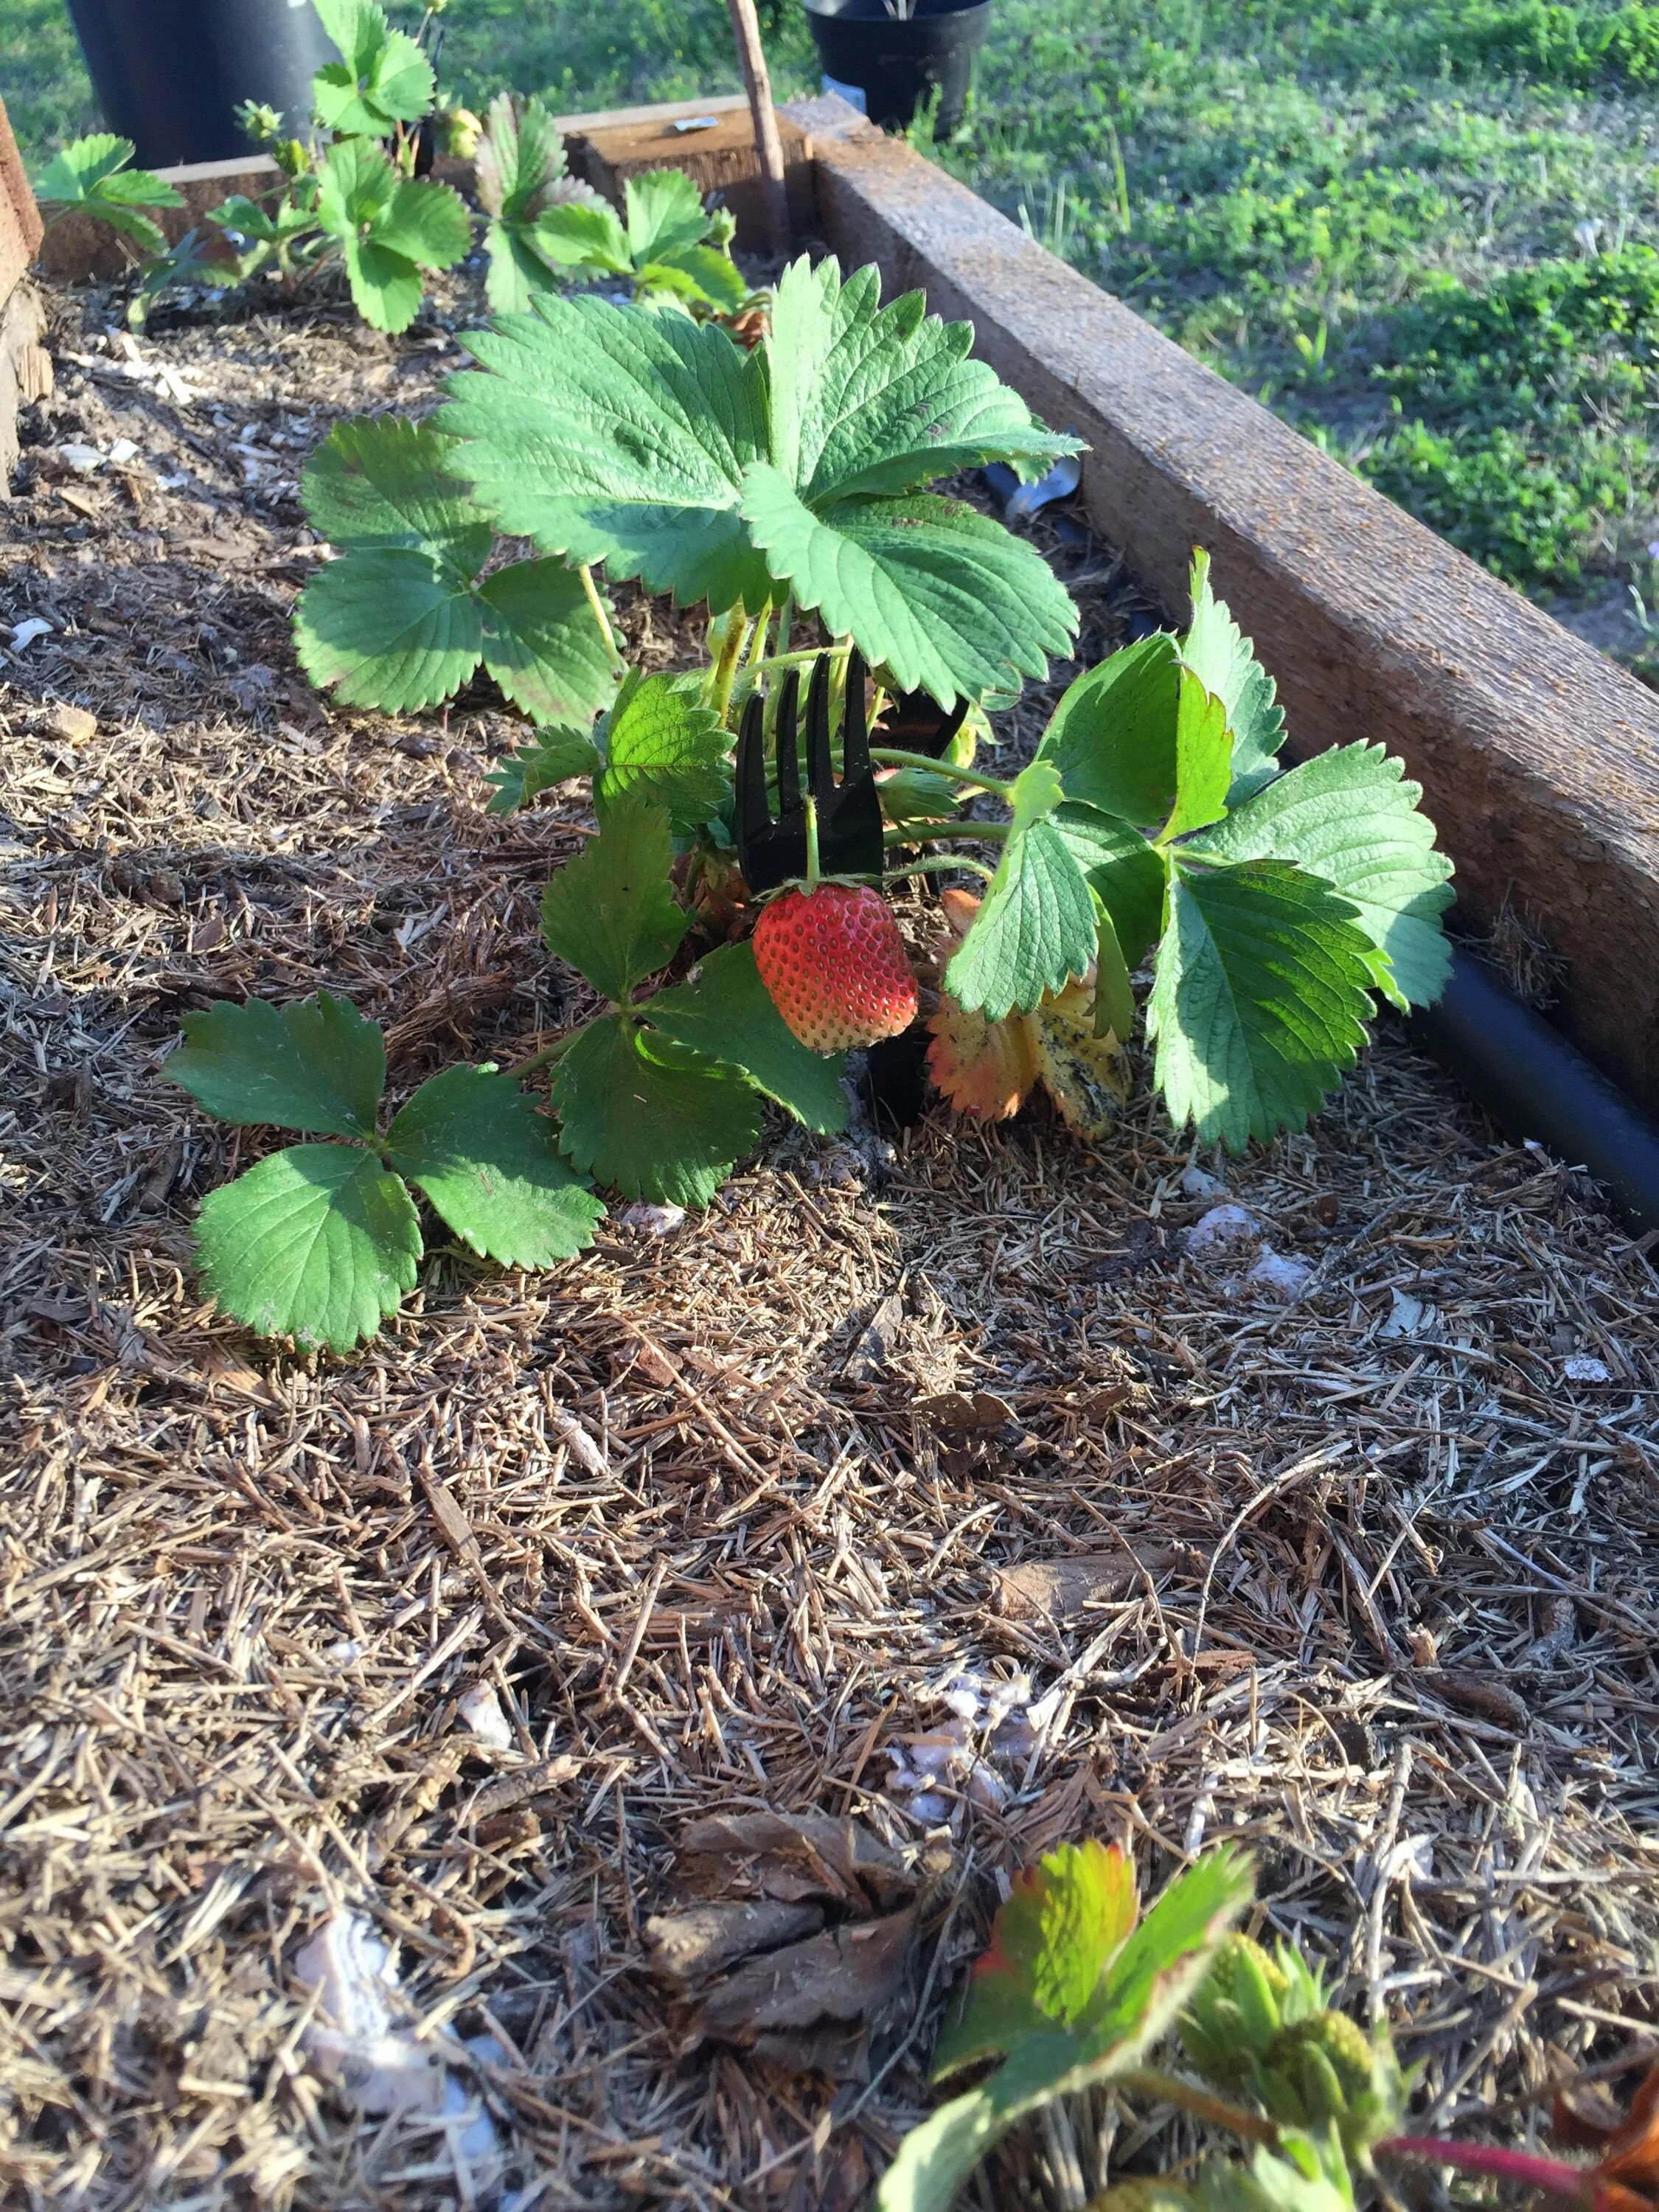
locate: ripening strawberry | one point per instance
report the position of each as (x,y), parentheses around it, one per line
(835,966)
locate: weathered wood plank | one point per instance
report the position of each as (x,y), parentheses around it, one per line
(1539,757)
(19,219)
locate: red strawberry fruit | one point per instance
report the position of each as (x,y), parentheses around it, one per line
(835,966)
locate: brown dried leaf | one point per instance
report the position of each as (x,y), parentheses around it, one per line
(956,1409)
(1059,1589)
(689,1946)
(794,1856)
(848,1973)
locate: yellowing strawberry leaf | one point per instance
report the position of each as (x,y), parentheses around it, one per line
(610,912)
(940,596)
(726,1013)
(557,756)
(318,1244)
(490,1163)
(316,1065)
(662,741)
(1036,926)
(1350,817)
(669,1134)
(1224,661)
(1260,998)
(1082,1064)
(985,1068)
(1072,1993)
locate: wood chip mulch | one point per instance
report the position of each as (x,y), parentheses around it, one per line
(931,1480)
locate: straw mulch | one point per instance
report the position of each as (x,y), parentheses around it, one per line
(1365,1581)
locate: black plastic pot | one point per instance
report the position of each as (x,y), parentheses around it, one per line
(170,74)
(892,66)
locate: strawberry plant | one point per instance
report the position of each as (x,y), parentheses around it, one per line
(521,181)
(94,176)
(1076,1991)
(359,204)
(730,917)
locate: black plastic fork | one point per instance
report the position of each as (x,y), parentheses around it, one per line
(772,849)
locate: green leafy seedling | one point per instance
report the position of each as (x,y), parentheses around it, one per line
(1072,1993)
(671,249)
(522,181)
(93,176)
(382,79)
(390,229)
(319,1242)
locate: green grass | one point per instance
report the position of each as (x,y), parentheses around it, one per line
(1424,231)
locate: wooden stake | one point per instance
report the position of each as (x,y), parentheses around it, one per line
(767,143)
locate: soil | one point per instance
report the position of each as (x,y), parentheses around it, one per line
(934,1477)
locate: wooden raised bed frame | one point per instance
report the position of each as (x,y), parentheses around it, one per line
(1539,757)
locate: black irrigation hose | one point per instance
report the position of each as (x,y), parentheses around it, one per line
(1536,1084)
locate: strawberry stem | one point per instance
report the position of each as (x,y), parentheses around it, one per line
(618,666)
(812,845)
(1550,2176)
(892,756)
(929,833)
(1169,2089)
(547,1055)
(940,863)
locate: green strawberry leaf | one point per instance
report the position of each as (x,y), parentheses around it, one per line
(663,743)
(1115,998)
(316,1065)
(865,398)
(386,288)
(1049,1946)
(427,223)
(1224,662)
(610,433)
(1126,871)
(1036,927)
(1350,817)
(1260,998)
(399,621)
(318,1244)
(519,169)
(939,595)
(582,235)
(1073,1997)
(380,482)
(91,175)
(383,77)
(542,643)
(555,757)
(726,1013)
(1140,737)
(612,911)
(391,627)
(669,1134)
(490,1161)
(713,277)
(664,212)
(655,444)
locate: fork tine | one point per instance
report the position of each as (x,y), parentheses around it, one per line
(820,771)
(752,817)
(789,747)
(855,728)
